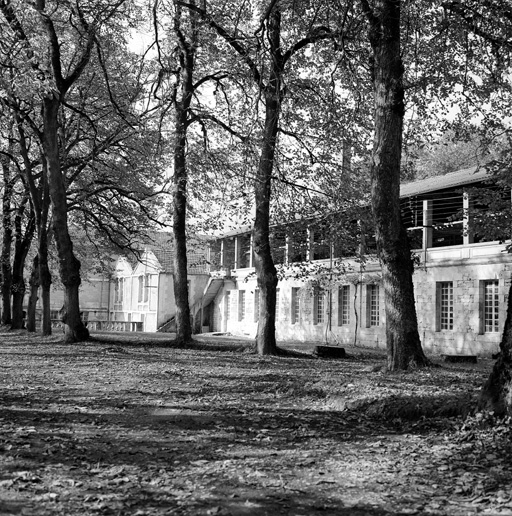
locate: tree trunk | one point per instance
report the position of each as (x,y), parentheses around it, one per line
(40,197)
(187,49)
(183,326)
(21,249)
(33,296)
(6,269)
(496,395)
(69,265)
(45,279)
(403,342)
(18,314)
(266,273)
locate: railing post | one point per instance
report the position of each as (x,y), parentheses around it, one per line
(236,265)
(467,234)
(428,230)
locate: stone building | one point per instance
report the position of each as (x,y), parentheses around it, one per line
(461,280)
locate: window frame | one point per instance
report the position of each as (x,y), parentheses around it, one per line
(227,305)
(372,305)
(319,306)
(242,305)
(343,305)
(494,307)
(295,305)
(119,291)
(143,288)
(444,306)
(256,304)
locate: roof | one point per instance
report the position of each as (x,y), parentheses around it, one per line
(461,177)
(430,184)
(238,231)
(166,258)
(161,244)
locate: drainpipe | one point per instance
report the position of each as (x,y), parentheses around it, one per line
(329,299)
(158,282)
(108,298)
(427,227)
(202,307)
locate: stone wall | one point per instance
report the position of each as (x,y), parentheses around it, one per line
(466,270)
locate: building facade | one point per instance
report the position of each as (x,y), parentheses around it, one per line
(461,280)
(139,294)
(142,293)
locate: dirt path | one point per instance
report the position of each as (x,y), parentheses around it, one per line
(127,428)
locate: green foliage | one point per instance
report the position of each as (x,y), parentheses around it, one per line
(449,154)
(109,137)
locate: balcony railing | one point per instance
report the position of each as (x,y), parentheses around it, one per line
(128,326)
(219,271)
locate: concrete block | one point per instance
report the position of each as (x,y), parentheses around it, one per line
(468,359)
(329,352)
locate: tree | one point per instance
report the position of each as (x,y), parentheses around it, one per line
(33,296)
(51,102)
(28,159)
(9,179)
(18,229)
(267,50)
(56,77)
(24,227)
(416,49)
(112,159)
(36,186)
(449,153)
(492,217)
(486,29)
(185,76)
(185,28)
(387,69)
(75,330)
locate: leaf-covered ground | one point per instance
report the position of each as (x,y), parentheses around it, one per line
(128,426)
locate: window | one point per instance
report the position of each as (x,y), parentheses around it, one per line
(227,308)
(143,288)
(147,284)
(277,304)
(295,315)
(256,305)
(446,216)
(299,244)
(119,291)
(215,255)
(348,240)
(444,305)
(320,244)
(343,305)
(411,209)
(241,305)
(489,296)
(278,245)
(228,253)
(372,305)
(319,307)
(244,251)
